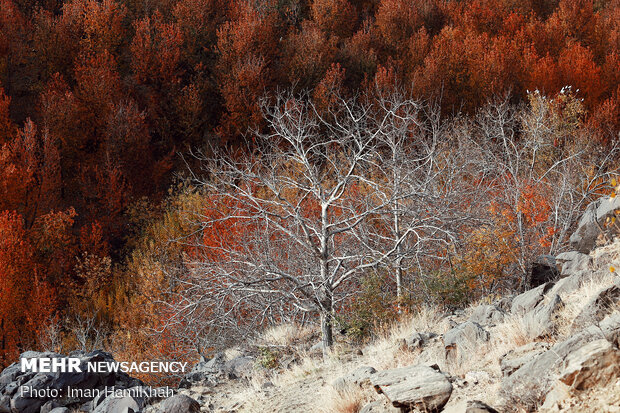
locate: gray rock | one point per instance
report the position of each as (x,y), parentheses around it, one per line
(476,406)
(379,407)
(566,285)
(206,370)
(359,376)
(60,410)
(592,226)
(487,315)
(537,375)
(541,321)
(5,404)
(573,263)
(514,359)
(464,339)
(180,403)
(131,401)
(526,302)
(595,364)
(49,406)
(412,387)
(598,307)
(239,367)
(418,340)
(13,379)
(557,394)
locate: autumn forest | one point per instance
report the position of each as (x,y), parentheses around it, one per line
(175,173)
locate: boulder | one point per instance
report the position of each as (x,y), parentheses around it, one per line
(526,302)
(50,406)
(418,340)
(514,359)
(239,367)
(360,376)
(131,400)
(180,403)
(595,364)
(598,306)
(476,406)
(556,395)
(543,270)
(487,315)
(5,404)
(60,410)
(407,388)
(538,374)
(573,263)
(464,339)
(206,370)
(592,225)
(379,407)
(541,320)
(566,285)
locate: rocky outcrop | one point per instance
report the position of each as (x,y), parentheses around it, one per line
(122,403)
(418,340)
(541,321)
(543,270)
(514,359)
(487,315)
(359,376)
(462,340)
(379,406)
(592,225)
(210,371)
(527,301)
(573,263)
(599,306)
(414,387)
(537,375)
(595,364)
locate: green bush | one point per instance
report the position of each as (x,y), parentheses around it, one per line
(268,358)
(375,305)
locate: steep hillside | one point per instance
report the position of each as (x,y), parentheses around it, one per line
(552,348)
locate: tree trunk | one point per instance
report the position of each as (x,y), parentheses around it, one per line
(326,296)
(327,333)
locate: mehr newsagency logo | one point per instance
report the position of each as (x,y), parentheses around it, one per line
(75,365)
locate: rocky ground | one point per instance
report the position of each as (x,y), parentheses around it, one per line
(553,348)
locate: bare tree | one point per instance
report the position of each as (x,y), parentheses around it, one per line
(302,202)
(430,183)
(525,148)
(88,332)
(51,338)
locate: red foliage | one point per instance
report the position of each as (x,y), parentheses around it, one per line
(26,300)
(338,17)
(156,52)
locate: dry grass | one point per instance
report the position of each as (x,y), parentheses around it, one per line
(285,335)
(386,351)
(350,399)
(575,302)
